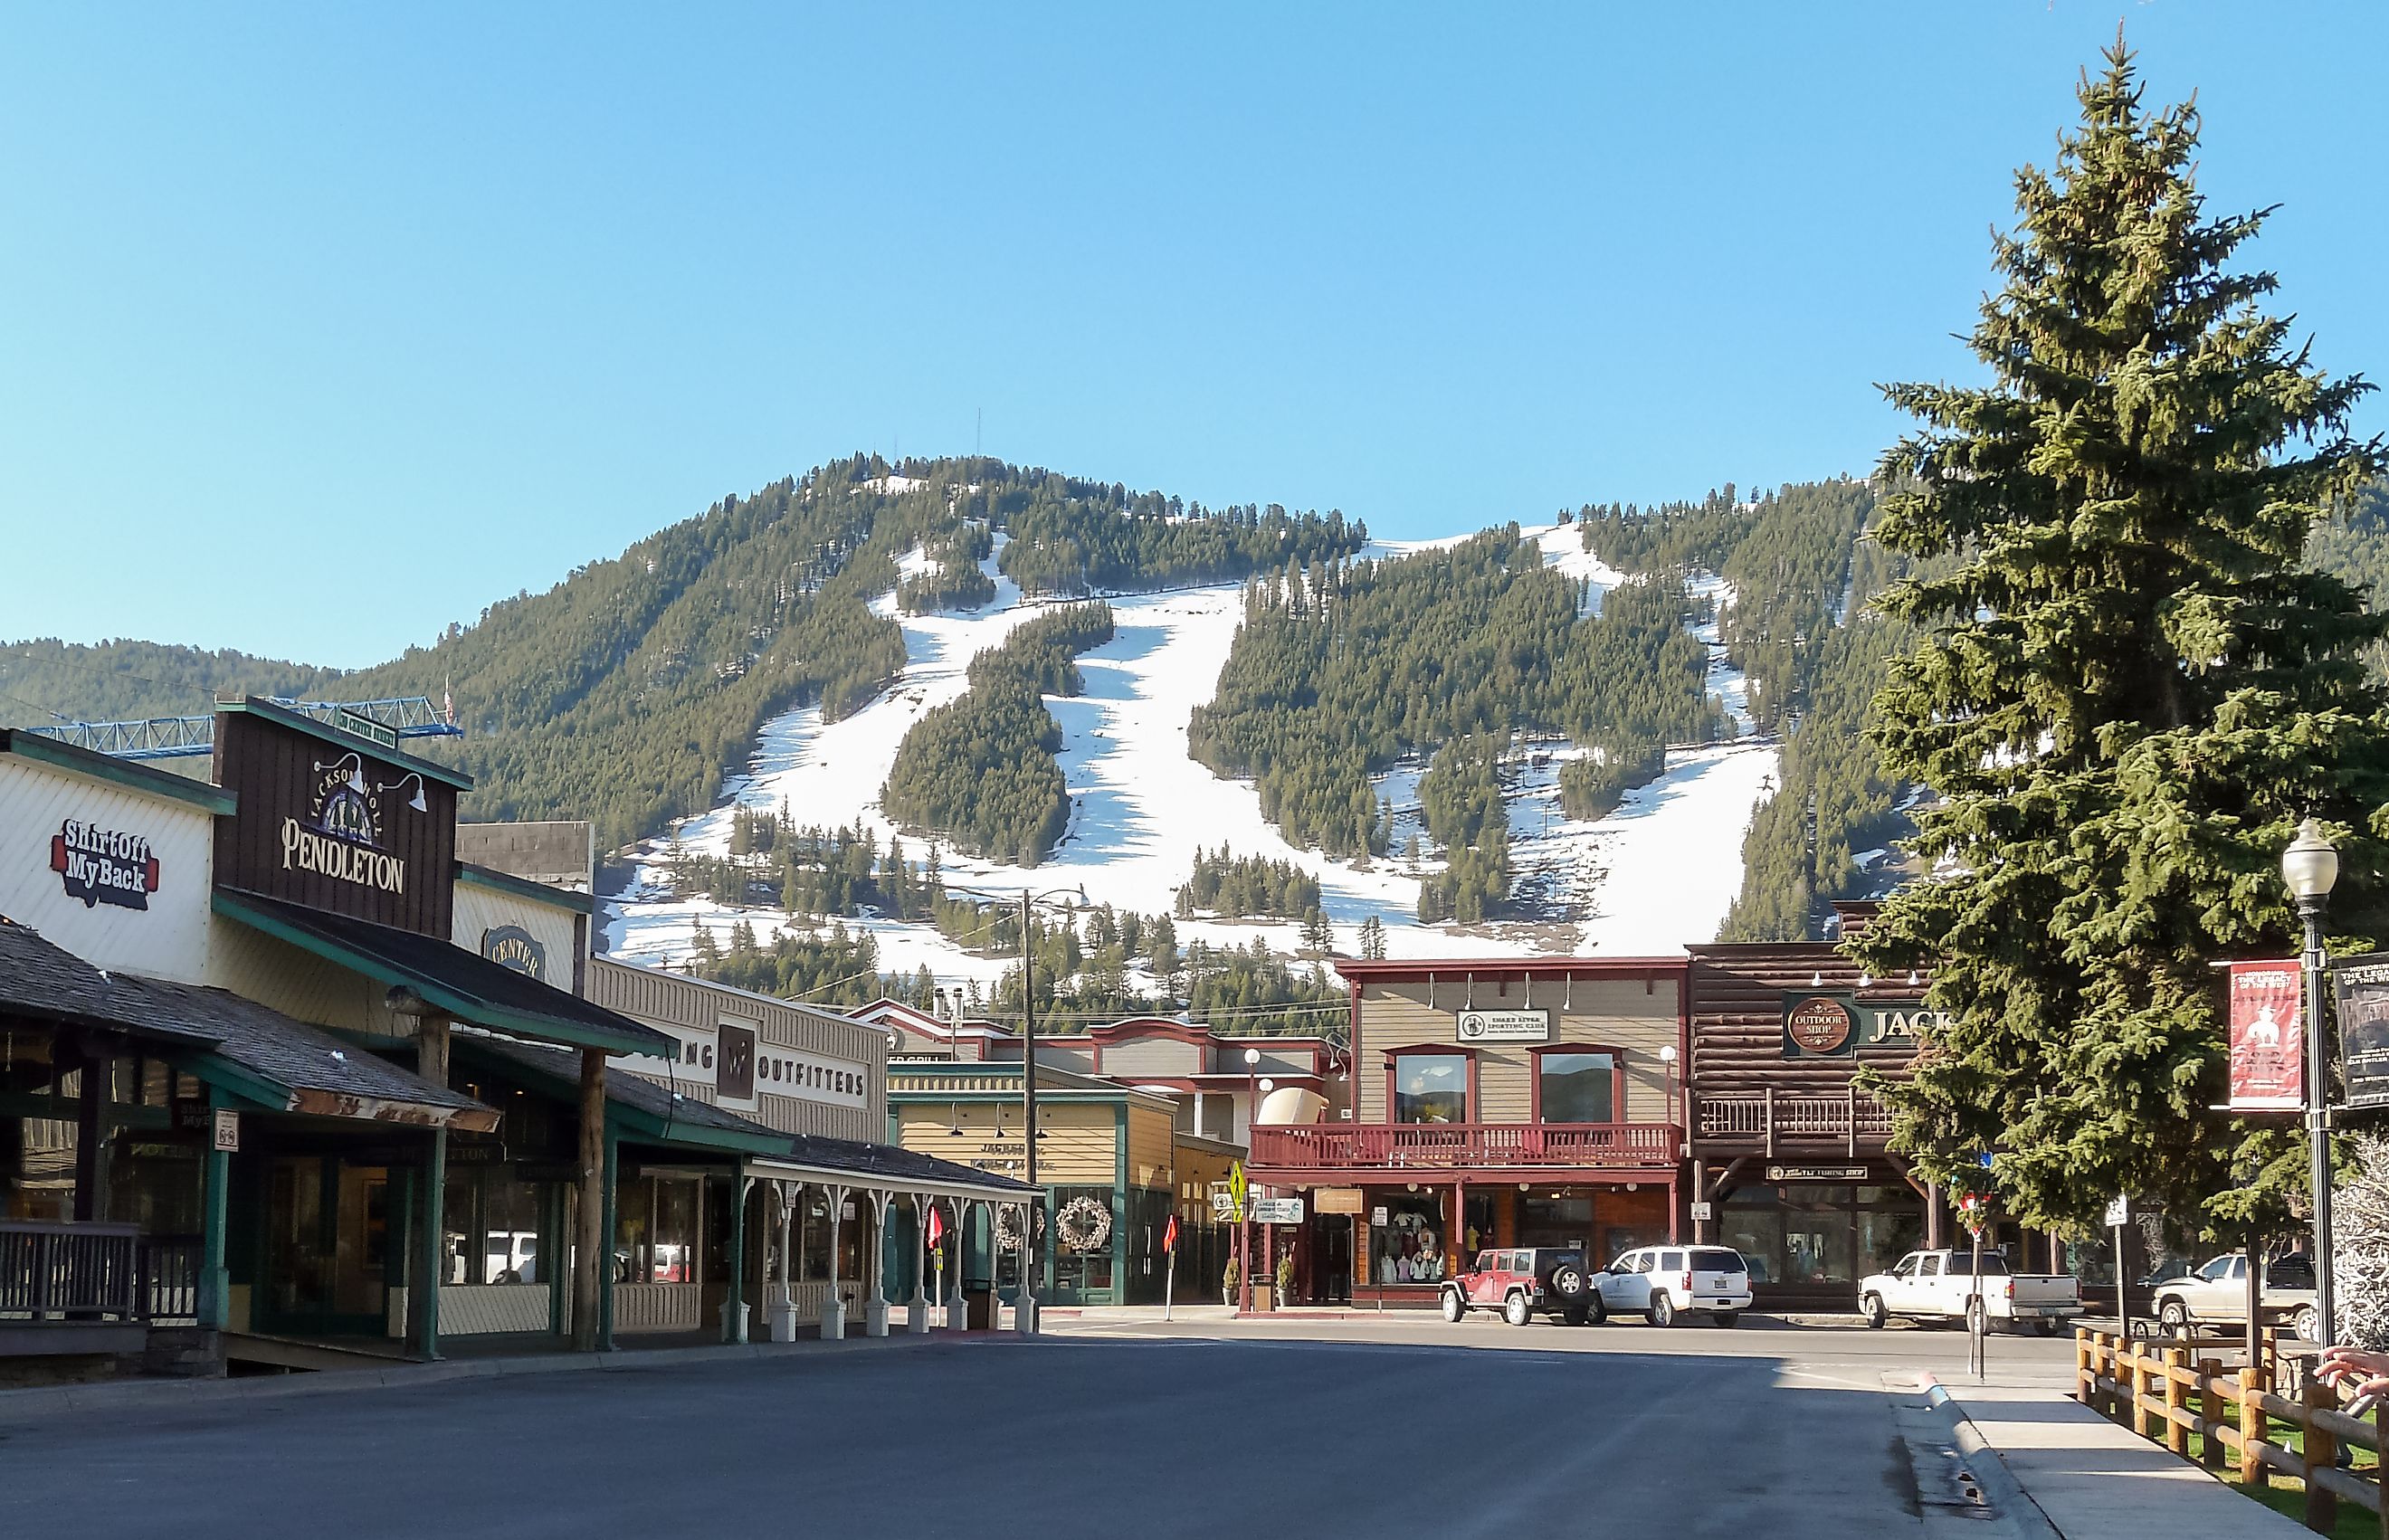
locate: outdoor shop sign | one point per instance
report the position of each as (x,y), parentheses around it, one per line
(2361,985)
(1503,1026)
(1828,1026)
(1339,1200)
(104,866)
(1277,1211)
(2267,1046)
(333,827)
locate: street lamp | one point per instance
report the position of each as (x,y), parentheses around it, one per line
(2310,866)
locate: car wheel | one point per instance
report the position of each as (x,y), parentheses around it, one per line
(2306,1323)
(1725,1318)
(1567,1282)
(1870,1307)
(2173,1317)
(1452,1306)
(1663,1310)
(1516,1311)
(1578,1315)
(2044,1328)
(1594,1311)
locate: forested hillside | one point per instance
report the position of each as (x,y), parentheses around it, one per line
(1342,667)
(980,771)
(46,679)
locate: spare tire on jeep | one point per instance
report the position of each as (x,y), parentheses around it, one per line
(1574,1293)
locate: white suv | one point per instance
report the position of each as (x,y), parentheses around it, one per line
(1663,1282)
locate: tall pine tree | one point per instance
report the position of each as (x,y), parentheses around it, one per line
(2130,689)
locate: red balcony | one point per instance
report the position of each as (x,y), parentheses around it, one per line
(1466,1146)
(1771,1120)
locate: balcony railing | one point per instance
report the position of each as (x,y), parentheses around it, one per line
(1410,1146)
(1771,1117)
(91,1271)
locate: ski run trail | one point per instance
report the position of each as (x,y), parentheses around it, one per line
(1654,876)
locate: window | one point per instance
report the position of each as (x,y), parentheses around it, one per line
(1408,1248)
(2218,1269)
(1907,1267)
(1929,1267)
(1672,1262)
(1431,1087)
(1572,1087)
(1714,1261)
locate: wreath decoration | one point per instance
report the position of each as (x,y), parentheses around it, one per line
(1007,1226)
(1083,1225)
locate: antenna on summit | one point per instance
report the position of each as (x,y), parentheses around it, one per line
(978,424)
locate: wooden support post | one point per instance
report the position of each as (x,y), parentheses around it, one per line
(2139,1383)
(2321,1454)
(215,1279)
(95,1075)
(589,1252)
(2380,1452)
(2085,1382)
(431,1048)
(2210,1412)
(2253,1427)
(431,1245)
(734,1303)
(607,1229)
(2177,1400)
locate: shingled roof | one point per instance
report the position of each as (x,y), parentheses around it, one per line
(41,981)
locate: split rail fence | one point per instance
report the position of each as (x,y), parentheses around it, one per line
(2169,1391)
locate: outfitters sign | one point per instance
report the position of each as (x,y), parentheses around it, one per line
(2362,985)
(104,866)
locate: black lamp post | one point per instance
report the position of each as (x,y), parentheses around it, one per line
(2310,866)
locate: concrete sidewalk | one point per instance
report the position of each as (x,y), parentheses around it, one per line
(42,1404)
(2054,1465)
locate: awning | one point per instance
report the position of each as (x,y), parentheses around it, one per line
(465,984)
(640,1109)
(44,982)
(813,1158)
(281,1064)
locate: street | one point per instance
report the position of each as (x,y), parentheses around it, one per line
(1408,1427)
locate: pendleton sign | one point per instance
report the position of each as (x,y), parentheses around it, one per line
(335,821)
(1825,1026)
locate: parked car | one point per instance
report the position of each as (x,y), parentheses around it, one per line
(1519,1282)
(1663,1283)
(2218,1293)
(1942,1286)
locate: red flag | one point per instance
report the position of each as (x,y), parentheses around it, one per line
(1170,1235)
(936,1226)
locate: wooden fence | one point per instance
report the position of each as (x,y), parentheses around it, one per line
(2173,1388)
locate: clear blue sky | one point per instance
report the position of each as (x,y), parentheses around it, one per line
(321,328)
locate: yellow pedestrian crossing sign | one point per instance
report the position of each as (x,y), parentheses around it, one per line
(1236,1190)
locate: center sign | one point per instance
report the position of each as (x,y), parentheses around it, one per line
(1503,1026)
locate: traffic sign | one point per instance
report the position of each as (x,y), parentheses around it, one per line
(1704,1211)
(2119,1212)
(1237,1192)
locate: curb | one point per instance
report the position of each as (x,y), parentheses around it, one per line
(38,1404)
(2007,1495)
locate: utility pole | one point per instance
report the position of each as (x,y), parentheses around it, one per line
(1025,1311)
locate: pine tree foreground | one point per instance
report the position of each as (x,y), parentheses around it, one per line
(2130,691)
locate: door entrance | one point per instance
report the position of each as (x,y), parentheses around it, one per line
(328,1264)
(1331,1271)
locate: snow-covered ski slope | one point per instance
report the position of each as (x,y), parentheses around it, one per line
(1652,877)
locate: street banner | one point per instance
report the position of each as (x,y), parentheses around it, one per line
(2361,985)
(2267,1046)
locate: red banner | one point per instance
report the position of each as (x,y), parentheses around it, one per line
(2267,1058)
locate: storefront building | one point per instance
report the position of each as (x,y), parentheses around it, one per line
(1790,1157)
(842,1223)
(1111,1167)
(1495,1102)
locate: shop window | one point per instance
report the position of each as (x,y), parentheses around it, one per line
(1555,1221)
(1408,1248)
(1576,1087)
(1430,1088)
(655,1233)
(491,1222)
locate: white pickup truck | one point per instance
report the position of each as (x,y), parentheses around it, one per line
(1942,1286)
(2217,1292)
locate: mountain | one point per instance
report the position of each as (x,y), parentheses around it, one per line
(1625,729)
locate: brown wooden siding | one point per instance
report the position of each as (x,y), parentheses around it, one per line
(1637,1017)
(1737,1007)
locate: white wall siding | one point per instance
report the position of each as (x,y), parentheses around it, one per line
(169,939)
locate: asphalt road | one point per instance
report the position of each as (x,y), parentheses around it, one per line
(1315,1430)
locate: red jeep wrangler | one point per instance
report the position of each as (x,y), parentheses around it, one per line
(1549,1279)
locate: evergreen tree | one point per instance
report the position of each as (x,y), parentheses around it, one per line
(2130,691)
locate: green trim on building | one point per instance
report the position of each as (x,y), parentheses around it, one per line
(131,774)
(299,721)
(524,888)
